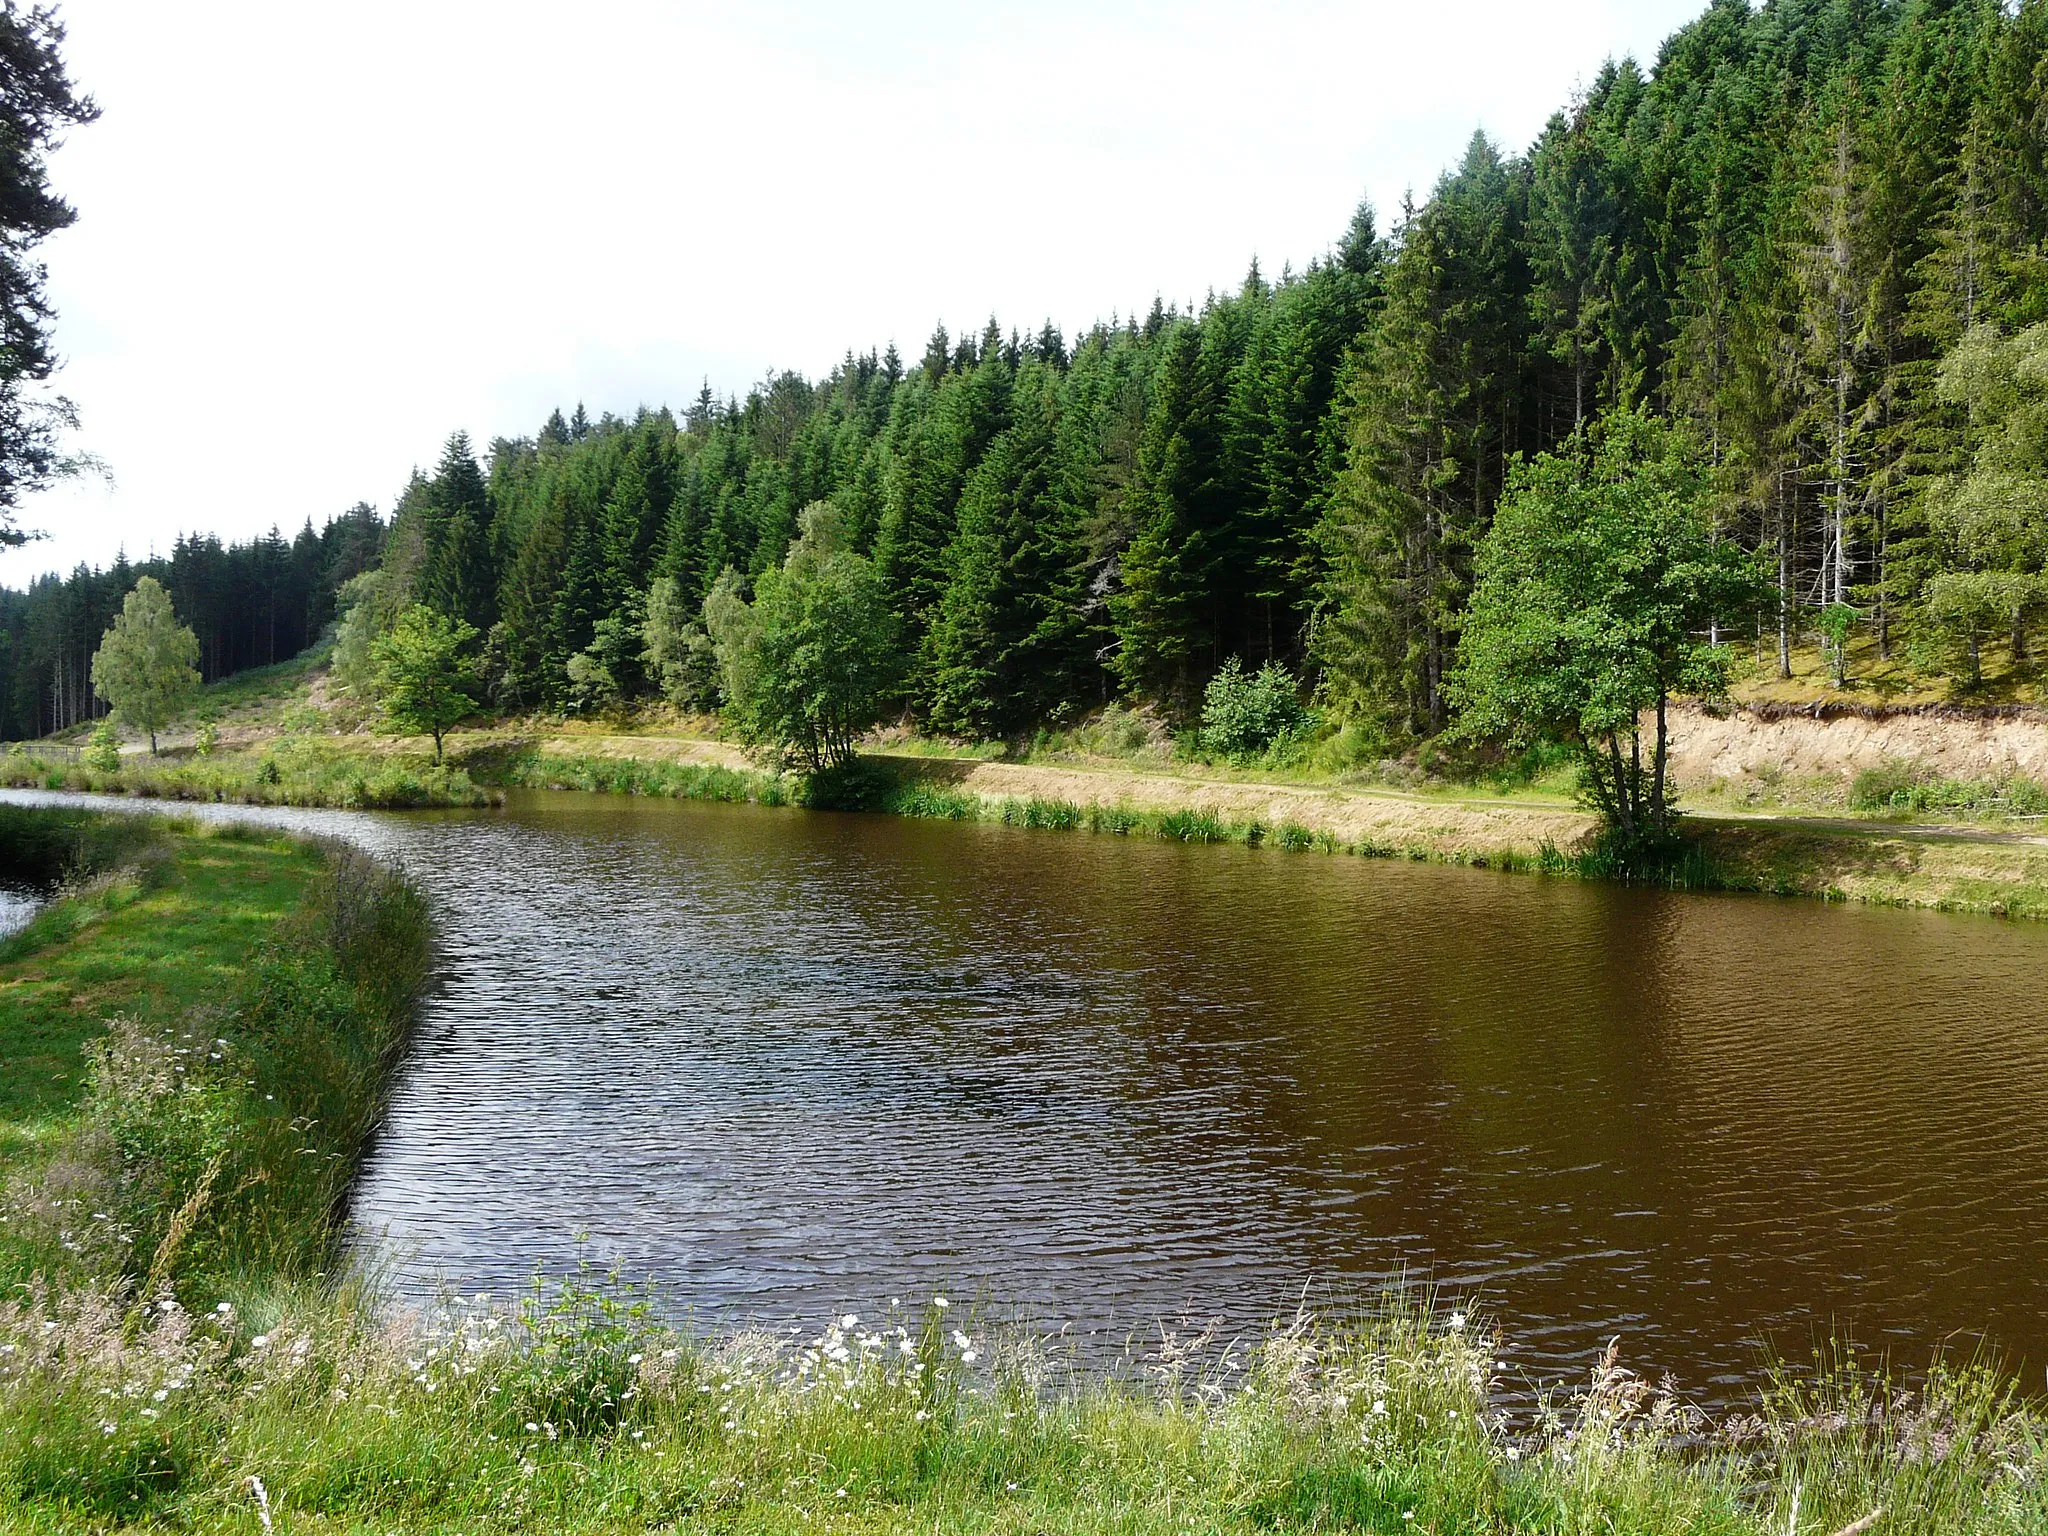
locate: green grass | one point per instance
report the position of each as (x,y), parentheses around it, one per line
(197,1043)
(288,771)
(160,937)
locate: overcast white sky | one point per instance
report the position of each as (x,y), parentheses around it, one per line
(314,239)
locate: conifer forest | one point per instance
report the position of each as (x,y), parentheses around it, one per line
(1814,233)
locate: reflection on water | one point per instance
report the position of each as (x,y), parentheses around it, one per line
(17,905)
(782,1062)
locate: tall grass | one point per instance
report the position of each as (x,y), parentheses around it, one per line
(1904,786)
(629,776)
(219,1145)
(286,775)
(575,1409)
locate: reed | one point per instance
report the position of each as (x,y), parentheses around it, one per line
(285,776)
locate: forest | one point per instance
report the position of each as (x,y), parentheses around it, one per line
(249,604)
(1814,238)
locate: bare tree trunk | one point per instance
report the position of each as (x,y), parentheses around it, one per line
(1784,586)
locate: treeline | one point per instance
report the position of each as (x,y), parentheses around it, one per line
(1777,236)
(1816,235)
(249,605)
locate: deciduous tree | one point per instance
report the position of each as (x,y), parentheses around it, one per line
(148,664)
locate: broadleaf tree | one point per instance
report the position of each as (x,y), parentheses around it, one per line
(1598,588)
(424,672)
(148,663)
(811,662)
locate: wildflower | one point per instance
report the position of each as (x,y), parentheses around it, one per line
(968,1357)
(849,1321)
(532,1428)
(260,1341)
(632,1359)
(840,1494)
(158,1395)
(1379,1407)
(106,1426)
(1407,1514)
(1457,1322)
(941,1303)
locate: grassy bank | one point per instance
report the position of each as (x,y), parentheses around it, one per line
(195,1038)
(312,771)
(1961,869)
(178,1350)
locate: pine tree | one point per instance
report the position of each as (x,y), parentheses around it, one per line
(1009,641)
(1166,612)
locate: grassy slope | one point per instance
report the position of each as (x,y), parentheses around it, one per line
(1873,679)
(285,740)
(167,939)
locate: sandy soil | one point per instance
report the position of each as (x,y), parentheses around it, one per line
(1745,744)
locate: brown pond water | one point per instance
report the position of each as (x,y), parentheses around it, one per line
(781,1064)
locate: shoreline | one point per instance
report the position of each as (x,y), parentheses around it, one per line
(1776,848)
(1961,869)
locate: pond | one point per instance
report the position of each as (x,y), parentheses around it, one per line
(18,905)
(782,1063)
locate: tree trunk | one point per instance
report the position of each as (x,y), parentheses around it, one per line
(1659,812)
(1784,587)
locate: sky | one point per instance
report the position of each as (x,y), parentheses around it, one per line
(314,240)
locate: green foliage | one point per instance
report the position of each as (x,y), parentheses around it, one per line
(1816,235)
(367,614)
(810,663)
(148,663)
(103,748)
(1598,586)
(1900,786)
(37,105)
(1247,713)
(678,654)
(1836,622)
(1992,521)
(424,672)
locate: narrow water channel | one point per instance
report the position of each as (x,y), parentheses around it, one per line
(781,1063)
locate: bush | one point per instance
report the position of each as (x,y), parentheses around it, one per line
(1247,713)
(103,750)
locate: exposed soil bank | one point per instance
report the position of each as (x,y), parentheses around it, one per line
(1838,742)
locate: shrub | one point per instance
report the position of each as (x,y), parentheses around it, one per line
(1247,713)
(103,750)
